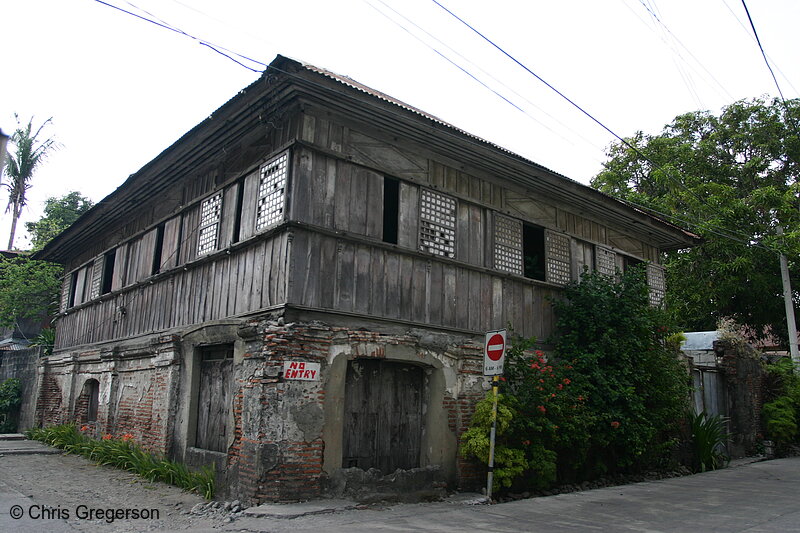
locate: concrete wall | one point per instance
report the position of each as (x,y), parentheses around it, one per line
(21,364)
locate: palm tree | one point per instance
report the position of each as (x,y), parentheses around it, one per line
(29,152)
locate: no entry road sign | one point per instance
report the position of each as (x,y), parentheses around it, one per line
(494,352)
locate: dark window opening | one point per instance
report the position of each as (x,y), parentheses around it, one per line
(87,282)
(108,271)
(237,219)
(533,252)
(630,262)
(156,268)
(73,287)
(391,209)
(93,391)
(214,397)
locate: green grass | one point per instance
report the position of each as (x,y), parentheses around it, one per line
(124,454)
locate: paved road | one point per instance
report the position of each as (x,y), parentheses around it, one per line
(755,498)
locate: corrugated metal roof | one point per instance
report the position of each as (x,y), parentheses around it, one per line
(699,340)
(350,82)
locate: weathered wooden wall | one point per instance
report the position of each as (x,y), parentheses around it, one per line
(337,150)
(188,183)
(336,188)
(250,278)
(346,275)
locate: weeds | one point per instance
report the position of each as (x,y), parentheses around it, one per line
(123,453)
(708,437)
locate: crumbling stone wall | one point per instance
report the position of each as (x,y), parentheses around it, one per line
(137,391)
(287,437)
(744,380)
(284,436)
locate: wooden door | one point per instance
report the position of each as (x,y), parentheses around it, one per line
(214,397)
(382,415)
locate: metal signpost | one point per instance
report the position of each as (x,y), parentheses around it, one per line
(494,355)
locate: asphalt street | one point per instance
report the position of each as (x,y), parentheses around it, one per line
(756,497)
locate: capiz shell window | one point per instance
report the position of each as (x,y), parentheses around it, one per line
(508,244)
(437,231)
(210,213)
(272,192)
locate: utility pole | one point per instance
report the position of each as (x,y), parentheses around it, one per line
(789,305)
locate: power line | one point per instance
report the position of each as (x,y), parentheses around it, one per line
(744,28)
(218,49)
(657,18)
(471,138)
(763,54)
(475,78)
(582,110)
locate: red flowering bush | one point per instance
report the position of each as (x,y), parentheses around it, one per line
(608,399)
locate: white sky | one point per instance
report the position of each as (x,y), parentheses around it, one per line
(120,90)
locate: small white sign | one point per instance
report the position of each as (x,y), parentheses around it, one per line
(301,370)
(494,352)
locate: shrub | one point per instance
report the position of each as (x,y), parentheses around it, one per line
(708,441)
(122,452)
(781,413)
(610,399)
(625,367)
(508,463)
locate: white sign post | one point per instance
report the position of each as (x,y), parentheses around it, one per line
(494,355)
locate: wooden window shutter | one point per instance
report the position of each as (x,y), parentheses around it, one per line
(508,244)
(657,283)
(557,256)
(272,192)
(605,260)
(97,277)
(210,213)
(66,286)
(437,224)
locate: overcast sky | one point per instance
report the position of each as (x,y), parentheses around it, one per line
(120,89)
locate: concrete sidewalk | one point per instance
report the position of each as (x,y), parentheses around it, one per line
(16,443)
(757,498)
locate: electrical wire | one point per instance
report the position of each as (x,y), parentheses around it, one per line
(675,38)
(216,48)
(763,54)
(581,109)
(472,139)
(749,34)
(484,72)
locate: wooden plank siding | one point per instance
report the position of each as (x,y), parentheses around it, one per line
(209,291)
(337,274)
(337,194)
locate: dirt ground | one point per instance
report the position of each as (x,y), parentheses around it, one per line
(68,481)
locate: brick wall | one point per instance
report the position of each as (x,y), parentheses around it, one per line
(744,380)
(136,395)
(276,457)
(276,450)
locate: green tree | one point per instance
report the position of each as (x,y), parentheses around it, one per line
(732,179)
(59,214)
(27,288)
(632,389)
(29,152)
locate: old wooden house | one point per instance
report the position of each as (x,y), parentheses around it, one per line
(300,285)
